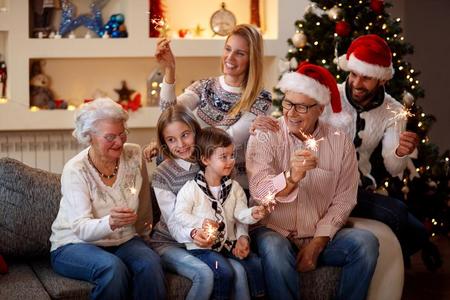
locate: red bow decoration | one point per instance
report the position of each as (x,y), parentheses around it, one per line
(132,105)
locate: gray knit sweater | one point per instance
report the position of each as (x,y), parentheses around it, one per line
(171,177)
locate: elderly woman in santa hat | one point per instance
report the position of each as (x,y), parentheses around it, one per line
(315,190)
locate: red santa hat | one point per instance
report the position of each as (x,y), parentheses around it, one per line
(369,55)
(318,83)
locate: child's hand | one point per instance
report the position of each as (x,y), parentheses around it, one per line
(259,212)
(242,247)
(151,151)
(200,239)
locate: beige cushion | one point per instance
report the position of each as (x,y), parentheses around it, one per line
(387,281)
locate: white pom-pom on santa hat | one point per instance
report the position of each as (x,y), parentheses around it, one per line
(368,55)
(319,84)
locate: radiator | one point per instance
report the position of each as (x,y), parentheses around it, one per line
(47,150)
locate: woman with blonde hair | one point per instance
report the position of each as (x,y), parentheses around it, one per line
(230,101)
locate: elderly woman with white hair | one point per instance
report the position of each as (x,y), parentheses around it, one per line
(105,211)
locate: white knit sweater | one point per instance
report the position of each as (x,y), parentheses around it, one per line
(84,211)
(379,125)
(193,206)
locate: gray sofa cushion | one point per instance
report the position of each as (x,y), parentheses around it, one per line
(57,286)
(29,202)
(21,283)
(60,287)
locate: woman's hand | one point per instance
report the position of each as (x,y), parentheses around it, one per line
(121,216)
(242,247)
(265,124)
(164,55)
(151,151)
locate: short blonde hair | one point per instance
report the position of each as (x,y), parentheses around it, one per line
(253,81)
(89,114)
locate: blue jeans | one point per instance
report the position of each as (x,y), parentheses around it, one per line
(355,250)
(230,276)
(253,270)
(180,261)
(115,271)
(410,232)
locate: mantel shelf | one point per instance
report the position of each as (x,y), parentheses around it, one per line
(145,117)
(96,47)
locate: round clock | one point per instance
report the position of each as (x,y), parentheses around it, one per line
(222,21)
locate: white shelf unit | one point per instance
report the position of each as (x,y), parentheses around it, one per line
(192,54)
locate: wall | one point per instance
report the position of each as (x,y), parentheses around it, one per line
(425,25)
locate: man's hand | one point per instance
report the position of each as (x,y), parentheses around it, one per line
(301,162)
(307,257)
(407,143)
(242,248)
(121,216)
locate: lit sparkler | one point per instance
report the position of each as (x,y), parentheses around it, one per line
(310,142)
(403,114)
(161,26)
(269,201)
(133,190)
(211,231)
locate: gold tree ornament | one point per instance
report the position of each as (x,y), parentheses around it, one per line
(299,39)
(334,13)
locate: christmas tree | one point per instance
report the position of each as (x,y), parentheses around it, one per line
(325,32)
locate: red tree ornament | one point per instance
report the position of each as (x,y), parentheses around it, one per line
(342,28)
(254,13)
(155,15)
(377,6)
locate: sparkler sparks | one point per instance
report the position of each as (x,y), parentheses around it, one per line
(211,231)
(161,26)
(310,142)
(403,114)
(269,201)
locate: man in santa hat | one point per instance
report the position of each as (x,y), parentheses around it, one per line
(367,117)
(315,189)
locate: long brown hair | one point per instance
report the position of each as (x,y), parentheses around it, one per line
(252,84)
(175,113)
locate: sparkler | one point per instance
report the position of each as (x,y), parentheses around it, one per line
(161,26)
(211,231)
(310,142)
(403,114)
(269,201)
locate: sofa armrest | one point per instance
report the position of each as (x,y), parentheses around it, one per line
(388,278)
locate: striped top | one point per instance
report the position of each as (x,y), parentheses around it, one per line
(324,198)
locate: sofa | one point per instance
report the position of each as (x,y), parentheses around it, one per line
(29,202)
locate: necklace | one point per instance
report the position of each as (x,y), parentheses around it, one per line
(101,174)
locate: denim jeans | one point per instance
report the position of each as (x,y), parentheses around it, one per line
(115,271)
(230,277)
(180,261)
(410,232)
(355,250)
(253,269)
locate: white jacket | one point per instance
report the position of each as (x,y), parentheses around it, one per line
(193,206)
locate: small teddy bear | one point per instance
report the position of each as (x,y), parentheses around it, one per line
(40,93)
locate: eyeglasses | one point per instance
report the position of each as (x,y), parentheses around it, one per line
(300,108)
(112,137)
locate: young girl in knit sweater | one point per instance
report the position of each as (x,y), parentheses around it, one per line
(214,205)
(177,130)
